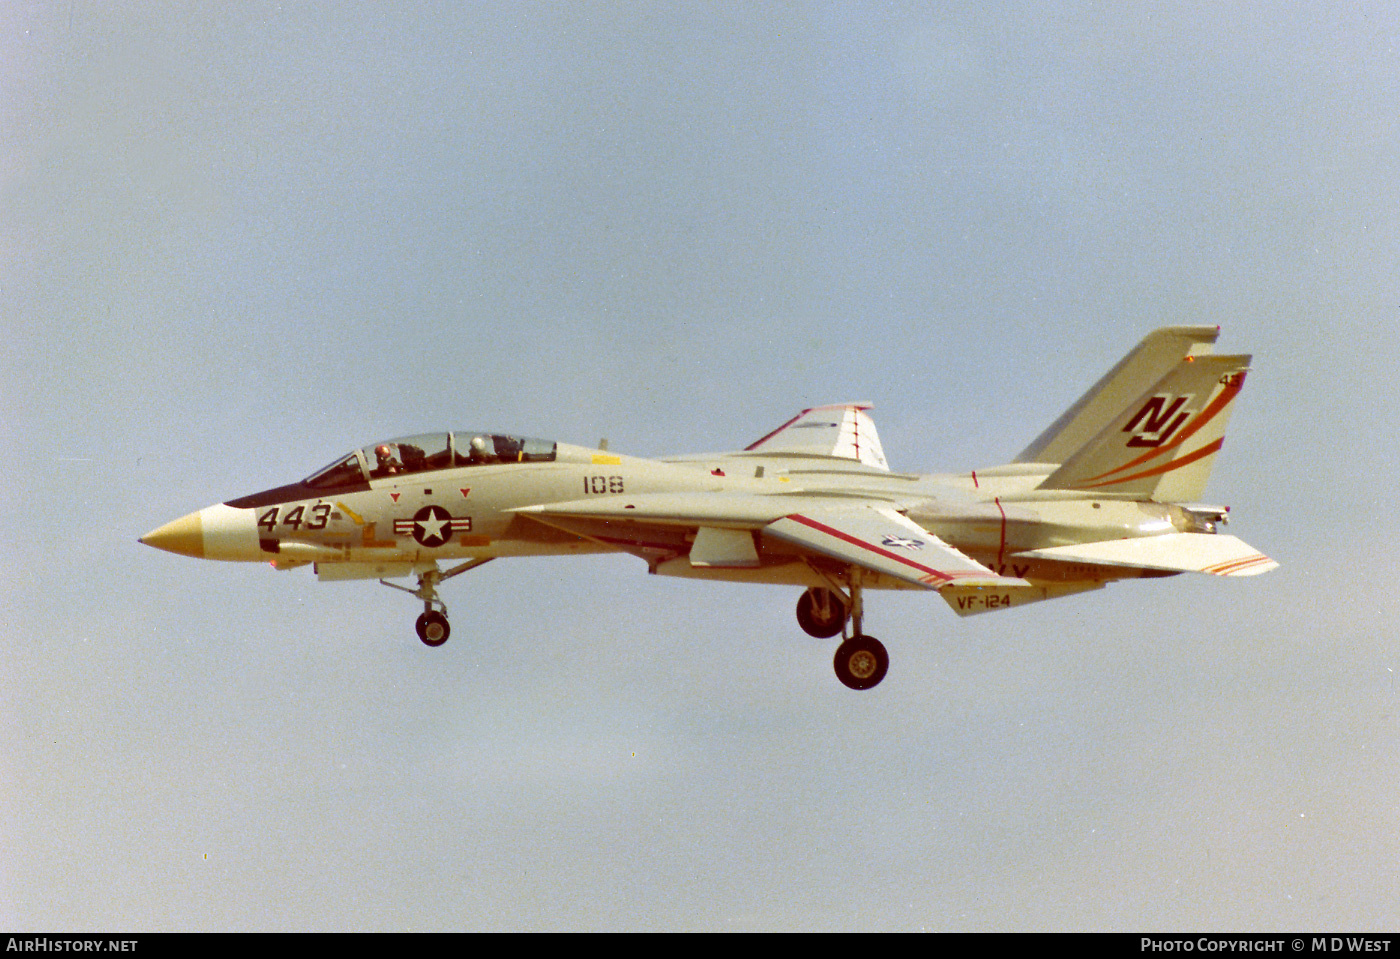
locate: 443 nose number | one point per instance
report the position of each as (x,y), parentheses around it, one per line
(294,518)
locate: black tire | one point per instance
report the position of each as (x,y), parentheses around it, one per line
(821,613)
(433,628)
(861,662)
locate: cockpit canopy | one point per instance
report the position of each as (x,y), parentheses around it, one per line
(427,452)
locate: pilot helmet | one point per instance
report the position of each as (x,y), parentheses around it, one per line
(382,452)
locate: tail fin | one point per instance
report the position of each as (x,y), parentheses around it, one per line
(1148,362)
(1162,446)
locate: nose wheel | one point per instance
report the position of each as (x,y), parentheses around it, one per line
(433,628)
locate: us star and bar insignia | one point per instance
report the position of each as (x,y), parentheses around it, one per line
(432,526)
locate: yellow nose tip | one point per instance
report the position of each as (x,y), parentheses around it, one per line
(184,536)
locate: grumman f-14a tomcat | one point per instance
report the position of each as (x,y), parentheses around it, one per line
(1111,490)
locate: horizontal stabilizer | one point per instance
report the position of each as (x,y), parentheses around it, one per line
(1178,552)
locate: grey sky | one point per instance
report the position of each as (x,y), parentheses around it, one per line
(239,240)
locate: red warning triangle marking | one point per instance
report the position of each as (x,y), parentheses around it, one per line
(465,489)
(394,497)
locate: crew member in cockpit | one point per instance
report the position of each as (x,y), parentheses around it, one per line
(481,451)
(387,465)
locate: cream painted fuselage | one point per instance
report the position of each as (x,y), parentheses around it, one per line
(591,500)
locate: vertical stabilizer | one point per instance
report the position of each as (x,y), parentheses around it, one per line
(1162,446)
(1148,362)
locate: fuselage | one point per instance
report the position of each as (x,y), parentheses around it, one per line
(434,498)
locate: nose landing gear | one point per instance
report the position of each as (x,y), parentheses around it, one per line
(432,627)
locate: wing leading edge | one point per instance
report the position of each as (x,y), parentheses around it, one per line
(880,539)
(868,534)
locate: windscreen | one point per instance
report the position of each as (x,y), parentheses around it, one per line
(345,471)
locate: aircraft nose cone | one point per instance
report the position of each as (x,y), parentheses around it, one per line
(215,532)
(184,536)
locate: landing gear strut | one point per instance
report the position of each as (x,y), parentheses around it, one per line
(861,661)
(433,628)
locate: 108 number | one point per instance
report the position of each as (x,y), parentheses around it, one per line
(602,484)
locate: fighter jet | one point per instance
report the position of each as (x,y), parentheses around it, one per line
(1111,490)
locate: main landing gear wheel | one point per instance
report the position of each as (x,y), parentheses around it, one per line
(821,613)
(433,628)
(861,662)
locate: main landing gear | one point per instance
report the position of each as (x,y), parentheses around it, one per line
(861,661)
(822,612)
(433,628)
